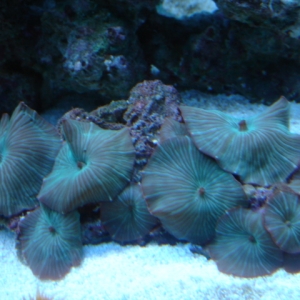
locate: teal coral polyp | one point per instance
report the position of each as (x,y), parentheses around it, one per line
(51,242)
(28,147)
(243,247)
(260,149)
(127,218)
(188,191)
(282,220)
(93,165)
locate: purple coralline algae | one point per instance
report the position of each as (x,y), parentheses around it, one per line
(149,103)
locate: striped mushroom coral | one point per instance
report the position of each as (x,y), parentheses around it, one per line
(243,247)
(93,165)
(260,149)
(51,242)
(188,191)
(28,147)
(127,218)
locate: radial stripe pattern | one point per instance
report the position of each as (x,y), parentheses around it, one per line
(282,220)
(127,218)
(93,165)
(260,148)
(51,242)
(243,247)
(188,191)
(28,147)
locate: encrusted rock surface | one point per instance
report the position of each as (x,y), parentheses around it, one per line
(88,49)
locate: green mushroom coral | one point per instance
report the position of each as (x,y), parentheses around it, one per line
(282,220)
(28,147)
(260,149)
(188,191)
(93,165)
(51,242)
(243,247)
(127,218)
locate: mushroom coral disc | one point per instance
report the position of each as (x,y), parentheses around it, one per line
(188,191)
(51,242)
(28,147)
(243,247)
(93,165)
(260,149)
(282,220)
(127,218)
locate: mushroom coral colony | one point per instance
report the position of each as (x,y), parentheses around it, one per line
(201,184)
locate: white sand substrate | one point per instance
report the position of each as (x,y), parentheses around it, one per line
(111,272)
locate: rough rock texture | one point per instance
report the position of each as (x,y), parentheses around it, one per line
(81,47)
(96,51)
(149,103)
(268,13)
(98,54)
(223,56)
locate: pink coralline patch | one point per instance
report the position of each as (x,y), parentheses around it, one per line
(150,97)
(150,102)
